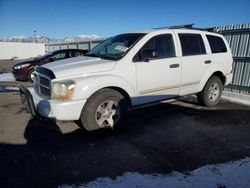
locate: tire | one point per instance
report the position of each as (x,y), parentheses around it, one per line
(31,75)
(107,108)
(211,93)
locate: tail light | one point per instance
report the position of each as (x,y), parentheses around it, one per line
(232,69)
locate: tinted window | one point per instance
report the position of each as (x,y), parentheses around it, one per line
(217,45)
(162,44)
(75,53)
(72,53)
(79,53)
(59,56)
(192,44)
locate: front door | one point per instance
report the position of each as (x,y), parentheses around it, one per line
(158,76)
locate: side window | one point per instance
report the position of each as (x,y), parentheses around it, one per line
(59,56)
(73,53)
(79,53)
(192,44)
(162,45)
(217,45)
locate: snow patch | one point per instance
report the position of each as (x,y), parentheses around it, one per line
(7,77)
(229,175)
(82,38)
(8,88)
(46,39)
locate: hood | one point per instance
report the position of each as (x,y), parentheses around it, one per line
(23,62)
(79,66)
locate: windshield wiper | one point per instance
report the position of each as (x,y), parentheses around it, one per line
(109,57)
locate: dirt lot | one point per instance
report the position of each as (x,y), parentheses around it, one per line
(177,135)
(5,65)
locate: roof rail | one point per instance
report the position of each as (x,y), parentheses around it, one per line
(188,26)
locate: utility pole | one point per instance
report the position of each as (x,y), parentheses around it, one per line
(35,35)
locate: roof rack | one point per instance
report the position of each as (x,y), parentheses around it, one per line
(188,26)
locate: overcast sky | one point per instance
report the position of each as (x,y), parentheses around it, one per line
(65,18)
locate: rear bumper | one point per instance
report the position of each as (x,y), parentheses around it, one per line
(229,78)
(59,110)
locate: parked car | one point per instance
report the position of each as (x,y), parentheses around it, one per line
(24,70)
(128,70)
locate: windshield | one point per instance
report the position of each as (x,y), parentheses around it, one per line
(116,47)
(43,57)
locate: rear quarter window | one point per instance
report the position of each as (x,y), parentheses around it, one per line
(217,44)
(192,44)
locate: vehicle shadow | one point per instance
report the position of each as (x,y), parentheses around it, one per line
(158,139)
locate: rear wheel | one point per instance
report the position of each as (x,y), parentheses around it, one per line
(211,93)
(106,108)
(31,75)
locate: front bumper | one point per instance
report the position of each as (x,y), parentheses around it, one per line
(19,74)
(59,110)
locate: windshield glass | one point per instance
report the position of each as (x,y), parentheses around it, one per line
(116,47)
(43,57)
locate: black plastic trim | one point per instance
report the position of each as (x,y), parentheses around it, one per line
(27,100)
(45,71)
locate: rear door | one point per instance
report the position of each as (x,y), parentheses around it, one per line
(219,53)
(195,61)
(158,78)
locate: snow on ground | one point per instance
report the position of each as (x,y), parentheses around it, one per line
(236,97)
(8,88)
(7,77)
(228,175)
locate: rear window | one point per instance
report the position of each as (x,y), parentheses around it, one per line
(217,44)
(192,44)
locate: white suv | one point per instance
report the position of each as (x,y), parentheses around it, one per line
(128,70)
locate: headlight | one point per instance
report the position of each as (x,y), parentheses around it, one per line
(20,66)
(63,90)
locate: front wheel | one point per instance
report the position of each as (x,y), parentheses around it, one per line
(31,75)
(211,93)
(106,108)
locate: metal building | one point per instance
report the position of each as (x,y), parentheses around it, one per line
(238,37)
(20,50)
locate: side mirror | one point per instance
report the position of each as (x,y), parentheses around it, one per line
(148,54)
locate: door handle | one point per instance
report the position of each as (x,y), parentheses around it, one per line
(174,65)
(207,61)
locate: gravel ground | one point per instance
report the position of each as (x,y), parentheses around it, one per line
(5,65)
(179,136)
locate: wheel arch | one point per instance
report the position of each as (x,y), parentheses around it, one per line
(220,75)
(213,71)
(122,91)
(28,71)
(92,86)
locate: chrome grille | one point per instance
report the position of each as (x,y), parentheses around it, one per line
(42,85)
